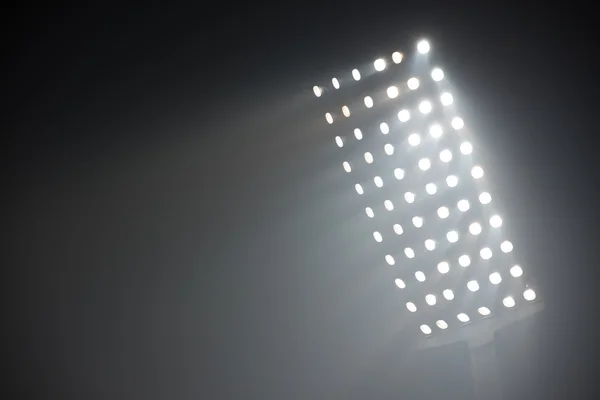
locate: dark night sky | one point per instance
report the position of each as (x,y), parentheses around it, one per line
(174,225)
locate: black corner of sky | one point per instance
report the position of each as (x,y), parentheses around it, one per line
(164,235)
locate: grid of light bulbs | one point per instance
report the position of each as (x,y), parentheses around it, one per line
(434,131)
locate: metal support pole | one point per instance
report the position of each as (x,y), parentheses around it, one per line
(484,369)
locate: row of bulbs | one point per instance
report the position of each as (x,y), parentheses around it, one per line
(425,106)
(508,302)
(379,65)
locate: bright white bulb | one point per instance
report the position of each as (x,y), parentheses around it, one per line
(409,253)
(426,329)
(397,57)
(516,271)
(336,83)
(443,325)
(356,74)
(443,267)
(414,139)
(409,197)
(384,128)
(443,212)
(370,212)
(495,221)
(411,307)
(347,166)
(379,64)
(463,205)
(448,294)
(529,295)
(464,260)
(466,148)
(358,134)
(495,278)
(485,253)
(509,302)
(359,188)
(485,198)
(390,260)
(462,317)
(329,118)
(446,99)
(437,74)
(452,236)
(420,276)
(424,164)
(368,157)
(398,229)
(423,47)
(389,149)
(317,90)
(452,181)
(377,236)
(413,83)
(475,228)
(417,222)
(339,141)
(425,107)
(400,283)
(436,131)
(346,111)
(403,115)
(506,246)
(457,123)
(430,244)
(368,101)
(445,155)
(388,205)
(399,173)
(392,92)
(473,286)
(431,189)
(430,299)
(484,311)
(378,181)
(477,172)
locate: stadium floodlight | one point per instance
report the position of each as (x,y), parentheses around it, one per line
(439,230)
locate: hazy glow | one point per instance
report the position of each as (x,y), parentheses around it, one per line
(397,57)
(317,90)
(390,260)
(446,99)
(413,83)
(414,139)
(356,74)
(495,278)
(436,131)
(403,115)
(400,283)
(368,101)
(392,92)
(347,166)
(379,64)
(384,128)
(509,302)
(358,134)
(437,74)
(443,267)
(336,83)
(329,118)
(346,111)
(423,47)
(473,286)
(516,271)
(370,212)
(457,123)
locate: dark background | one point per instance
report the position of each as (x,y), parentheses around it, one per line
(175,227)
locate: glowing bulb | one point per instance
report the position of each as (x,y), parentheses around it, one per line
(329,118)
(452,181)
(495,221)
(346,111)
(388,205)
(452,236)
(398,229)
(347,166)
(368,158)
(516,271)
(443,212)
(359,188)
(414,139)
(397,57)
(495,278)
(509,302)
(411,307)
(430,244)
(339,141)
(378,181)
(409,197)
(368,101)
(506,246)
(443,267)
(379,64)
(463,205)
(466,148)
(400,283)
(448,294)
(485,198)
(462,317)
(424,164)
(356,74)
(430,299)
(484,311)
(389,149)
(417,222)
(477,172)
(370,212)
(377,236)
(413,83)
(445,156)
(399,173)
(464,260)
(403,115)
(409,253)
(423,47)
(426,329)
(358,134)
(485,253)
(392,92)
(390,260)
(336,83)
(446,99)
(529,295)
(431,189)
(457,123)
(437,74)
(425,107)
(473,286)
(317,90)
(384,128)
(420,276)
(475,228)
(435,131)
